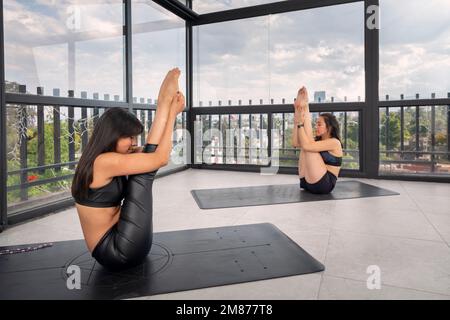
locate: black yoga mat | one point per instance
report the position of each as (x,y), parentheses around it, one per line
(179,260)
(284,193)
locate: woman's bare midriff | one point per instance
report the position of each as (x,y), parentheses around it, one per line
(95,222)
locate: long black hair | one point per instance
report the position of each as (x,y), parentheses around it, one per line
(332,126)
(114,123)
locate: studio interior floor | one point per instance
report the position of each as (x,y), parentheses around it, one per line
(406,236)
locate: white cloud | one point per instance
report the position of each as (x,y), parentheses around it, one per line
(263,57)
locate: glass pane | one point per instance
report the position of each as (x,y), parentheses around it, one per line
(230,63)
(67,45)
(265,60)
(183,2)
(178,156)
(43,145)
(158,46)
(322,49)
(415,141)
(231,139)
(414,51)
(350,126)
(207,6)
(289,155)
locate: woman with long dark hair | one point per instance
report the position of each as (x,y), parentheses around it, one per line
(320,157)
(119,234)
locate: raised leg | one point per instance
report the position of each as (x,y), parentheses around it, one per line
(129,241)
(301,165)
(315,167)
(303,103)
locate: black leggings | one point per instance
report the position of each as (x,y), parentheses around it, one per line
(323,186)
(129,241)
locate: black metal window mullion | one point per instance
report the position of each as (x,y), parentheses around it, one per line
(128,33)
(370,143)
(189,92)
(448,128)
(3,148)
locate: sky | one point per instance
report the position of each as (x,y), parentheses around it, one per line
(260,58)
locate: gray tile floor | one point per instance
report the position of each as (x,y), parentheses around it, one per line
(406,236)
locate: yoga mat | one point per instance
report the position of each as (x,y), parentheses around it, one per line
(284,193)
(179,260)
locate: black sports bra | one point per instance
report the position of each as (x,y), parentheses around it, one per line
(328,158)
(110,195)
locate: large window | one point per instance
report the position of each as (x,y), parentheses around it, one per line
(65,45)
(285,155)
(43,145)
(159,44)
(231,139)
(264,60)
(77,49)
(414,140)
(244,139)
(414,49)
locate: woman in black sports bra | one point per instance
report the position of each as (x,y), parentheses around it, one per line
(112,185)
(320,157)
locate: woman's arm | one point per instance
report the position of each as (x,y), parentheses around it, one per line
(302,103)
(295,140)
(169,88)
(310,145)
(117,164)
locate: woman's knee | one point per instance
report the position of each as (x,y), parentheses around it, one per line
(116,253)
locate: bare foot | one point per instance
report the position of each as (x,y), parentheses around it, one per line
(302,99)
(169,86)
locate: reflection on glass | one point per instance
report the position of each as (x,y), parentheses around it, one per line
(288,155)
(265,60)
(159,44)
(414,50)
(43,144)
(179,154)
(231,139)
(68,45)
